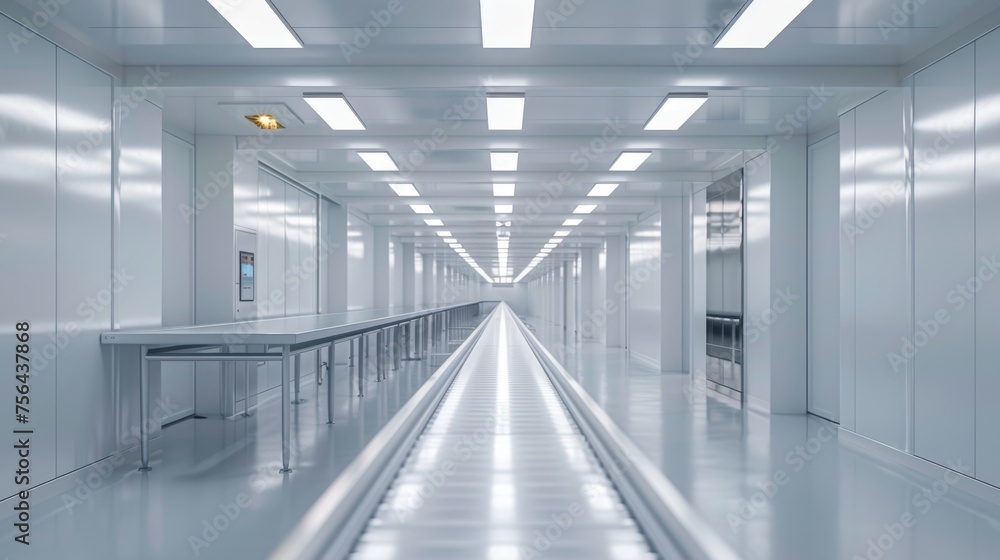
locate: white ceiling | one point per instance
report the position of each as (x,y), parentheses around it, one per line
(609,61)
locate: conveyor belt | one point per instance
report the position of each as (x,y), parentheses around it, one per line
(501,471)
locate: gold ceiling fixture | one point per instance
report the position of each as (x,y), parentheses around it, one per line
(265,121)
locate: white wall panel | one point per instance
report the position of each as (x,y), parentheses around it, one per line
(824,278)
(178,265)
(140,250)
(671,269)
(882,272)
(698,280)
(987,255)
(643,282)
(360,264)
(28,223)
(944,259)
(85,428)
(846,273)
(757,342)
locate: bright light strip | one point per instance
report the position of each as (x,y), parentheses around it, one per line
(503,189)
(456,246)
(547,250)
(630,161)
(556,240)
(443,233)
(585,209)
(675,110)
(603,189)
(504,208)
(434,223)
(379,161)
(760,23)
(450,240)
(507,23)
(421,209)
(484,275)
(551,245)
(562,233)
(335,111)
(505,111)
(404,189)
(572,222)
(503,161)
(258,23)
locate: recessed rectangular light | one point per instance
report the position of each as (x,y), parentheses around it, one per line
(258,23)
(759,23)
(507,23)
(547,250)
(503,189)
(334,109)
(572,222)
(675,110)
(562,233)
(505,111)
(450,240)
(603,189)
(379,161)
(630,161)
(434,223)
(503,161)
(444,234)
(455,246)
(556,240)
(585,209)
(421,209)
(404,189)
(504,208)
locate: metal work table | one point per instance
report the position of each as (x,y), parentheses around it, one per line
(282,338)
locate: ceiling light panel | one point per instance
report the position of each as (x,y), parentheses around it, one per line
(507,23)
(258,23)
(503,161)
(505,111)
(379,161)
(421,209)
(630,161)
(603,189)
(759,23)
(334,109)
(503,189)
(585,209)
(504,208)
(444,234)
(572,222)
(404,189)
(676,110)
(434,222)
(562,233)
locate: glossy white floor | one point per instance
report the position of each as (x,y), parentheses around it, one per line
(210,468)
(780,488)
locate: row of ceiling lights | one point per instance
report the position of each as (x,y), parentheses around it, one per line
(507,24)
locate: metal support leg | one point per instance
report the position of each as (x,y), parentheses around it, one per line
(397,353)
(378,355)
(246,390)
(350,343)
(144,409)
(298,379)
(331,353)
(286,420)
(428,339)
(362,363)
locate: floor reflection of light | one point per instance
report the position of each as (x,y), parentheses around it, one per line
(503,552)
(502,499)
